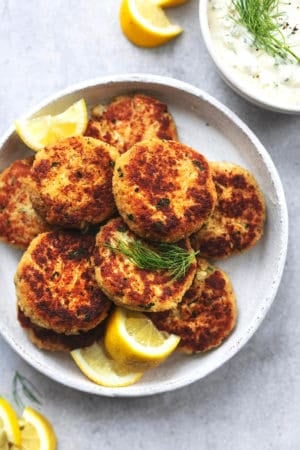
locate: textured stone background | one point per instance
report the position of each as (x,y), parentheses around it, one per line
(252,402)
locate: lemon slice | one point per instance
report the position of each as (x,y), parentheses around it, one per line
(99,367)
(9,425)
(145,24)
(133,340)
(39,132)
(36,431)
(169,3)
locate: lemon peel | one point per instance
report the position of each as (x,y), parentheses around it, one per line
(99,367)
(36,431)
(169,3)
(133,340)
(9,425)
(45,130)
(145,24)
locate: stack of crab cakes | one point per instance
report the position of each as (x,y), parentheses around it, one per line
(112,202)
(59,302)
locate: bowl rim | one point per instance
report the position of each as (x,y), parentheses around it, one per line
(226,74)
(156,80)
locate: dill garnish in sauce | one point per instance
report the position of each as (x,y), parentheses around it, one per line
(261,18)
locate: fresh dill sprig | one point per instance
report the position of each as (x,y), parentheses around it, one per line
(170,257)
(22,387)
(260,17)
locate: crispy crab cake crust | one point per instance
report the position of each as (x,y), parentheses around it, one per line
(129,286)
(130,119)
(207,313)
(237,221)
(72,182)
(163,190)
(56,286)
(49,340)
(19,222)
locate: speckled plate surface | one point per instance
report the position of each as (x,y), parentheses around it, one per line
(215,131)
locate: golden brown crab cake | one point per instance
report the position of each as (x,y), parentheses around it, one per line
(72,182)
(56,286)
(237,221)
(207,313)
(131,119)
(130,286)
(163,190)
(19,222)
(46,339)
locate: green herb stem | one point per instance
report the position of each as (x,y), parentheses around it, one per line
(260,17)
(163,256)
(23,387)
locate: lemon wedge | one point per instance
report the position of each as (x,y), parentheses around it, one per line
(36,431)
(133,340)
(99,367)
(169,3)
(9,425)
(145,24)
(39,132)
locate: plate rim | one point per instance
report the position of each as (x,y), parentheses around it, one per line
(265,306)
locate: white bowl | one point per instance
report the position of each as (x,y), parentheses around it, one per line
(211,128)
(231,78)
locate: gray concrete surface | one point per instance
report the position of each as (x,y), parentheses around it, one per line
(252,402)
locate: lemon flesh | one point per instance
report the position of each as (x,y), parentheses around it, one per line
(145,24)
(36,431)
(43,131)
(9,425)
(133,340)
(99,367)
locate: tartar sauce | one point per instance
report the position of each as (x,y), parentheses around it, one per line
(272,79)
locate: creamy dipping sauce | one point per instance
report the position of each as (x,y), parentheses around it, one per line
(271,79)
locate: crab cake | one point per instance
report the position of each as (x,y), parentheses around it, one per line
(19,222)
(130,119)
(207,313)
(49,340)
(238,219)
(163,190)
(56,286)
(130,286)
(72,182)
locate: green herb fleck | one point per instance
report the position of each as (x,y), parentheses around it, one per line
(130,216)
(54,275)
(210,269)
(122,228)
(162,202)
(198,165)
(148,305)
(77,254)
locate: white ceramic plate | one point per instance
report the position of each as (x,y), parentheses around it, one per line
(211,128)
